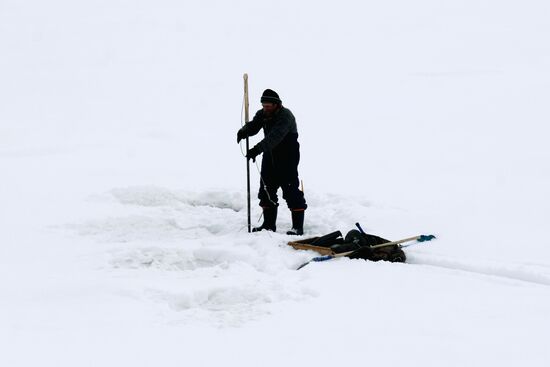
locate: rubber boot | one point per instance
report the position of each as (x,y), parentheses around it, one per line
(270,218)
(297,223)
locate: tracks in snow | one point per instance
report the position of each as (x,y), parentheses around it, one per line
(525,272)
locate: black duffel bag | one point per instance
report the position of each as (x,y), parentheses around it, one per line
(361,245)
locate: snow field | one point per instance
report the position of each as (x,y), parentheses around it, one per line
(122,220)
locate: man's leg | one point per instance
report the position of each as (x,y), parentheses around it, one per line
(268,196)
(293,195)
(297,205)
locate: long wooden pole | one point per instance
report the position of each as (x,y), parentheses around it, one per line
(246,117)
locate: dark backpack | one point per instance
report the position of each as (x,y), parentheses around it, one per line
(365,241)
(361,245)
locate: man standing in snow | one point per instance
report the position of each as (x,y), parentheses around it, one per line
(280,161)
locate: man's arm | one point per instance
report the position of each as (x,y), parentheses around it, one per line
(251,128)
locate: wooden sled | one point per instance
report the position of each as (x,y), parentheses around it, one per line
(305,245)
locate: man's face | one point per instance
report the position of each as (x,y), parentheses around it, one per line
(269,108)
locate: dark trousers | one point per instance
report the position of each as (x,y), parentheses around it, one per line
(280,169)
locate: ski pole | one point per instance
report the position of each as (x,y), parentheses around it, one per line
(420,238)
(246,116)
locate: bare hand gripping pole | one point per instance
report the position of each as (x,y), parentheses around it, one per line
(246,116)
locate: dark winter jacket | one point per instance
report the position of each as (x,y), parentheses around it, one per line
(281,133)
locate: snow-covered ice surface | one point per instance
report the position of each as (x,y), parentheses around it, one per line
(122,228)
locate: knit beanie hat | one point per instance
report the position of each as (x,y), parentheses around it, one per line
(270,96)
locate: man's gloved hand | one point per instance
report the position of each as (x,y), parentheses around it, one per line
(253,153)
(240,135)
